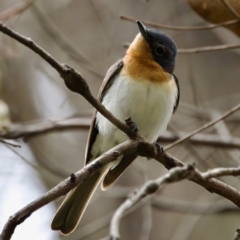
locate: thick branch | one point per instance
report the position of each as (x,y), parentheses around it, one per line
(65,186)
(150,187)
(73,79)
(75,82)
(175,175)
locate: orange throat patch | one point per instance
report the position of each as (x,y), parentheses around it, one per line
(140,65)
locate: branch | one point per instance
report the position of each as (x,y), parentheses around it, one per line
(231,9)
(76,83)
(129,146)
(202,49)
(168,204)
(219,172)
(64,43)
(10,144)
(14,10)
(29,130)
(182,28)
(204,127)
(73,79)
(150,187)
(175,175)
(65,186)
(209,48)
(15,131)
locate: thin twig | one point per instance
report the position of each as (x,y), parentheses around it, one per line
(204,127)
(219,172)
(6,51)
(209,48)
(150,187)
(23,158)
(202,49)
(14,10)
(231,9)
(175,175)
(182,28)
(10,144)
(29,130)
(167,204)
(64,43)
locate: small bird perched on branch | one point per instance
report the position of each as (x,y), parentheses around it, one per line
(141,86)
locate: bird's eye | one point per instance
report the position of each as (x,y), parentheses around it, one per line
(160,50)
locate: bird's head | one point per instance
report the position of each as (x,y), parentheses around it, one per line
(151,43)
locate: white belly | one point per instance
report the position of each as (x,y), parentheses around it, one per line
(150,105)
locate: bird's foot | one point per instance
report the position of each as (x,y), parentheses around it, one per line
(132,125)
(159,148)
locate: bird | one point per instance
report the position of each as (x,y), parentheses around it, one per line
(142,86)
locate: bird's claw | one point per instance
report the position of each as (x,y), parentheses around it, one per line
(159,148)
(132,125)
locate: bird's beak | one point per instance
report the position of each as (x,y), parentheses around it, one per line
(143,30)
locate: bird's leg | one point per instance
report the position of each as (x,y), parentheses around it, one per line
(159,148)
(132,125)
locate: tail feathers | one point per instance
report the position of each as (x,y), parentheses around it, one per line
(70,212)
(113,174)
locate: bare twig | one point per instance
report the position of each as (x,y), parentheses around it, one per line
(182,28)
(23,158)
(219,172)
(231,9)
(167,204)
(29,130)
(204,127)
(203,49)
(209,48)
(10,144)
(150,187)
(14,10)
(7,51)
(15,131)
(64,43)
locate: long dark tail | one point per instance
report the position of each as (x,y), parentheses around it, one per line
(70,212)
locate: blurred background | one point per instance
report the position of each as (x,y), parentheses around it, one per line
(90,36)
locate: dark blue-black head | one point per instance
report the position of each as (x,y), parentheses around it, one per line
(163,48)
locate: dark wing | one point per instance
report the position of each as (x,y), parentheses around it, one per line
(107,82)
(178,94)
